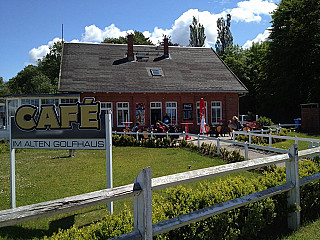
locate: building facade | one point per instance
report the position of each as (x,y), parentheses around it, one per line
(142,84)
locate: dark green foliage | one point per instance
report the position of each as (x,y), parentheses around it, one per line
(224,38)
(293,69)
(30,81)
(249,65)
(110,226)
(138,39)
(4,146)
(197,35)
(264,121)
(3,87)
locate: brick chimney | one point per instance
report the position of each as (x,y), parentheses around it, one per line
(130,55)
(166,47)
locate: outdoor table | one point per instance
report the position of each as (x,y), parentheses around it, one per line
(127,124)
(187,130)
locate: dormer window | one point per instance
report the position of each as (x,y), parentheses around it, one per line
(156,72)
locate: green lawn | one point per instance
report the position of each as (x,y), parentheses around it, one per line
(307,232)
(288,143)
(43,175)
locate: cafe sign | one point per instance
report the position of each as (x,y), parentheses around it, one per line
(67,126)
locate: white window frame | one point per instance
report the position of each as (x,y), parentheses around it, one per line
(172,108)
(158,105)
(198,112)
(105,108)
(68,100)
(214,110)
(123,109)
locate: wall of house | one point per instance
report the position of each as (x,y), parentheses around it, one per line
(310,118)
(229,101)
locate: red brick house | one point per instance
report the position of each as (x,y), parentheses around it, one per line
(144,83)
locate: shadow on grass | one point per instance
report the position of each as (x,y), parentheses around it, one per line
(19,232)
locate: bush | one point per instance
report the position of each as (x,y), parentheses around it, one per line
(4,146)
(264,121)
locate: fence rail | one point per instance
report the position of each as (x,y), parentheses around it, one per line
(143,186)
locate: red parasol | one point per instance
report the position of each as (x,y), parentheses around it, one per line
(202,116)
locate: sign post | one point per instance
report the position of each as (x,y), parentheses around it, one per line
(109,155)
(12,171)
(79,126)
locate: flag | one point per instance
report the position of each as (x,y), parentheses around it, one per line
(202,116)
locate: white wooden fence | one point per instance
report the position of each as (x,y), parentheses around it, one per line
(312,142)
(143,185)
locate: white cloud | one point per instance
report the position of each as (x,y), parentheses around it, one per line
(95,34)
(261,37)
(37,53)
(250,11)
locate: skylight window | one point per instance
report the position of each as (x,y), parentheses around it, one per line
(155,72)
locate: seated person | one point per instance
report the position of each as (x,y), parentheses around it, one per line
(234,124)
(166,119)
(158,128)
(135,128)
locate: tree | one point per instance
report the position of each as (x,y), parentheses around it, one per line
(30,81)
(3,87)
(49,65)
(170,43)
(224,38)
(197,35)
(249,66)
(138,39)
(294,57)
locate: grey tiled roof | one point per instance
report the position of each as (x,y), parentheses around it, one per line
(103,68)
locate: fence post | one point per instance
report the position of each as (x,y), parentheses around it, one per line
(292,176)
(167,135)
(137,136)
(249,135)
(218,146)
(246,150)
(270,139)
(233,136)
(142,204)
(151,136)
(184,135)
(198,139)
(310,144)
(296,141)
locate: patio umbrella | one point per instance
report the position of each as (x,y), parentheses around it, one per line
(202,116)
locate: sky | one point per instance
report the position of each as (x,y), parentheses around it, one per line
(29,27)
